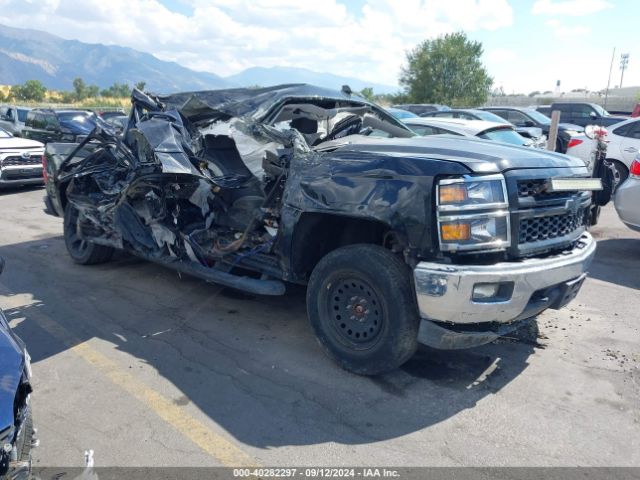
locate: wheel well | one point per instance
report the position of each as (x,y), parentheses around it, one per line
(62,192)
(317,234)
(620,162)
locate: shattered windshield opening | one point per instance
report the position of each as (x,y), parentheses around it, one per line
(323,120)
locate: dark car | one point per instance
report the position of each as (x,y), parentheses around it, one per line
(16,425)
(400,239)
(529,117)
(420,108)
(112,113)
(584,114)
(118,122)
(543,109)
(48,125)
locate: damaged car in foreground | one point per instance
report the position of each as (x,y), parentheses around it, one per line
(400,239)
(16,428)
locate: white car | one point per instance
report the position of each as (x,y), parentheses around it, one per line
(500,132)
(627,197)
(623,144)
(584,148)
(20,160)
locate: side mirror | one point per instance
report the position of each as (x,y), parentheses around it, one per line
(529,123)
(593,115)
(594,131)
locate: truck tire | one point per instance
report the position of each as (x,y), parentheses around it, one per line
(362,306)
(82,251)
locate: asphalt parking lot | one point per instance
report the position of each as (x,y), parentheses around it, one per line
(148,368)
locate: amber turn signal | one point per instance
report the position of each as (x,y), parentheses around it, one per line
(451,232)
(456,193)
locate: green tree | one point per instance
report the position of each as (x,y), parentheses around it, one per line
(92,91)
(534,93)
(32,90)
(367,93)
(446,70)
(140,85)
(79,88)
(117,90)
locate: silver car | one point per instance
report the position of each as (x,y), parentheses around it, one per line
(627,197)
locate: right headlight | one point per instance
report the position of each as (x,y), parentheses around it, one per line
(473,213)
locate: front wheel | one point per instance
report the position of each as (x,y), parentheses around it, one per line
(362,307)
(81,250)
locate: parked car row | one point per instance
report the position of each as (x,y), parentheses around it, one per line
(47,124)
(497,131)
(528,117)
(526,129)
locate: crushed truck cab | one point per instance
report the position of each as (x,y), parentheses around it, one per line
(400,239)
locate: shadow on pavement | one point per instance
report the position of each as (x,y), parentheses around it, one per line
(250,363)
(11,190)
(618,261)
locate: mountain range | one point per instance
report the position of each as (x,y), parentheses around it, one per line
(27,54)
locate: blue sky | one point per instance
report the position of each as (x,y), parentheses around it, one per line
(529,44)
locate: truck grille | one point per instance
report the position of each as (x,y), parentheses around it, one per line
(19,161)
(536,189)
(545,221)
(553,226)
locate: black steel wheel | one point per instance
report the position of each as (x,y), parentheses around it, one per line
(80,250)
(362,307)
(355,309)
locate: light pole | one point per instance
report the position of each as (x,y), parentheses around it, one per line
(624,61)
(606,93)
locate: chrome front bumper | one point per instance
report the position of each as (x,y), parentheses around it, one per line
(444,292)
(21,175)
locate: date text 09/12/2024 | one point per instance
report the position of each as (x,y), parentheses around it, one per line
(323,472)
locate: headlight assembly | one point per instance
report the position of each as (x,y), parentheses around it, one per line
(470,193)
(473,213)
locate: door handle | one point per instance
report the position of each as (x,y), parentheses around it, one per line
(631,149)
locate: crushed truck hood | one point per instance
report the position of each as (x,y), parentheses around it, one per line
(479,156)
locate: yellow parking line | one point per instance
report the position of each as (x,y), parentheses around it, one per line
(221,449)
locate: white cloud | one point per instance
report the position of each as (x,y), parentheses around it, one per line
(561,30)
(226,36)
(574,8)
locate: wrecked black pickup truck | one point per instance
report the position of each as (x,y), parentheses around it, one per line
(400,239)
